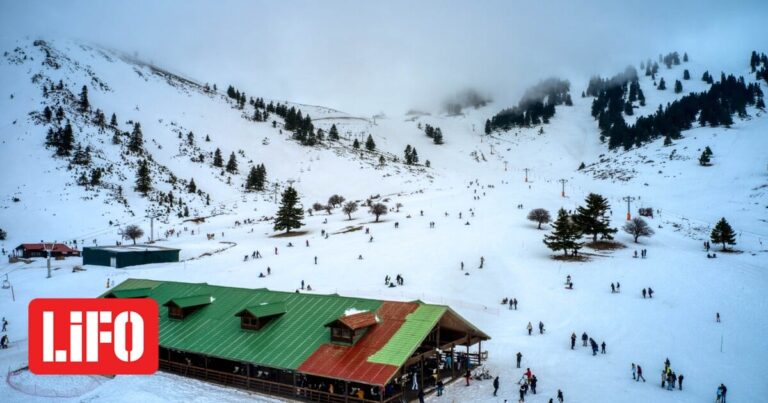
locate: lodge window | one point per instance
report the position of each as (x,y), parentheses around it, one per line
(251,323)
(341,334)
(175,312)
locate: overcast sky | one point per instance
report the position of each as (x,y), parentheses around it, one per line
(366,57)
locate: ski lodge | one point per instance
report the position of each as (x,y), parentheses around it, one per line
(308,347)
(58,250)
(128,255)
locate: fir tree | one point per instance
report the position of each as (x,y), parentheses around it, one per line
(66,141)
(96,177)
(678,87)
(488,126)
(704,159)
(686,75)
(408,155)
(593,219)
(47,114)
(356,144)
(290,214)
(564,235)
(723,234)
(662,85)
(685,57)
(113,120)
(218,161)
(369,144)
(333,134)
(83,103)
(191,187)
(143,179)
(232,164)
(136,141)
(437,136)
(256,179)
(414,156)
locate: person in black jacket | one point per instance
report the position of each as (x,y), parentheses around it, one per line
(680,381)
(573,340)
(533,384)
(560,396)
(495,385)
(523,390)
(519,357)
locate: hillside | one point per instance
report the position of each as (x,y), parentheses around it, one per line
(470,191)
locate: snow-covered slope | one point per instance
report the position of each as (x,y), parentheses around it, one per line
(677,323)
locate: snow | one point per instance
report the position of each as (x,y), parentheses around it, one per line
(678,323)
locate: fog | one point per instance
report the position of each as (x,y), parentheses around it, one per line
(370,57)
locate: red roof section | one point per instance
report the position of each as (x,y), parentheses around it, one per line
(59,247)
(351,362)
(359,320)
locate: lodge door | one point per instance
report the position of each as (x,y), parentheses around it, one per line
(113,262)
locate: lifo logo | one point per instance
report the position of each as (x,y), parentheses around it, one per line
(93,336)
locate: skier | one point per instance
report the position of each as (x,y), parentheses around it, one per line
(603,350)
(644,293)
(634,372)
(717,317)
(573,340)
(723,391)
(650,292)
(640,373)
(618,287)
(680,382)
(663,378)
(613,289)
(519,357)
(530,328)
(495,385)
(302,284)
(515,300)
(315,259)
(523,389)
(275,250)
(533,384)
(528,374)
(511,303)
(482,261)
(541,327)
(307,243)
(560,396)
(462,265)
(5,323)
(584,339)
(269,270)
(4,342)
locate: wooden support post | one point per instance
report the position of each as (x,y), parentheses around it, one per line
(421,369)
(479,351)
(453,363)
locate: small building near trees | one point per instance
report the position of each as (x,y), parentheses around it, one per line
(58,250)
(128,255)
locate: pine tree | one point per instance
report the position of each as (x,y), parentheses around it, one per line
(255,180)
(408,155)
(136,141)
(678,87)
(704,159)
(593,219)
(217,160)
(191,187)
(685,57)
(143,179)
(686,75)
(333,134)
(66,141)
(723,234)
(437,136)
(662,85)
(488,126)
(289,215)
(84,104)
(414,156)
(232,164)
(369,144)
(113,120)
(96,177)
(564,235)
(47,114)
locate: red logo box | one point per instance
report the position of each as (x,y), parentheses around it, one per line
(90,336)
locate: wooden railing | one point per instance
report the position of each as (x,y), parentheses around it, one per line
(262,386)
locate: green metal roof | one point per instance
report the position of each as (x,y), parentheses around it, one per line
(190,301)
(285,343)
(410,335)
(264,309)
(130,293)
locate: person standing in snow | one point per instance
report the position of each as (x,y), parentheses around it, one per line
(560,396)
(530,328)
(584,339)
(722,391)
(593,344)
(519,358)
(523,389)
(495,385)
(717,317)
(5,322)
(613,289)
(515,301)
(634,372)
(462,265)
(482,261)
(644,292)
(680,382)
(440,388)
(511,304)
(603,348)
(639,373)
(541,327)
(315,259)
(467,375)
(573,340)
(650,292)
(534,380)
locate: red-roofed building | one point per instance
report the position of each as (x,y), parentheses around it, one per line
(28,250)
